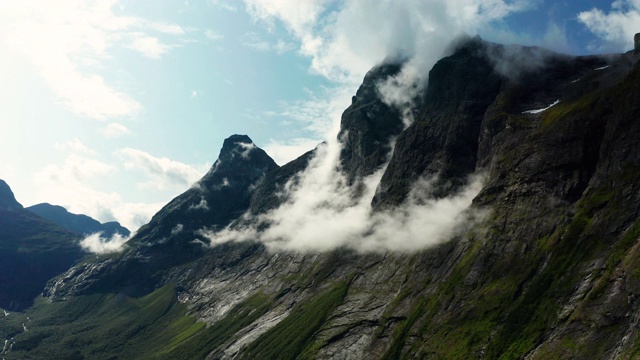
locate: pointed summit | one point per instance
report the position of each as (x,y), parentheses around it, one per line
(7,199)
(219,197)
(240,159)
(236,147)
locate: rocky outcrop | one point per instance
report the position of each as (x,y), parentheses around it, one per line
(636,42)
(368,126)
(443,140)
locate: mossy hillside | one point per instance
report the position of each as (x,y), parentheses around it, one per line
(293,337)
(507,314)
(105,326)
(210,339)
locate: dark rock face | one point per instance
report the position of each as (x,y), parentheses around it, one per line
(7,199)
(551,272)
(636,42)
(444,139)
(268,194)
(368,125)
(220,197)
(78,223)
(32,251)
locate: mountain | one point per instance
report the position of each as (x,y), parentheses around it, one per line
(7,199)
(549,268)
(77,223)
(32,251)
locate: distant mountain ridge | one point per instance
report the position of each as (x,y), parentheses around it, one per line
(78,223)
(32,251)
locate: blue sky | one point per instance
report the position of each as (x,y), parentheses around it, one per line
(112,108)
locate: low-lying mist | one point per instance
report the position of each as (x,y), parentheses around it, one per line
(98,244)
(322,213)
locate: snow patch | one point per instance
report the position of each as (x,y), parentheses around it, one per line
(602,68)
(537,111)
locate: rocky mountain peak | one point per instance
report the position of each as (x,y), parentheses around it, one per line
(368,125)
(221,196)
(7,199)
(636,43)
(236,144)
(239,159)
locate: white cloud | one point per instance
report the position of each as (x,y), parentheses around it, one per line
(97,244)
(282,46)
(73,185)
(202,205)
(222,4)
(134,215)
(115,130)
(256,42)
(177,229)
(285,151)
(75,146)
(321,214)
(164,173)
(77,166)
(149,46)
(67,40)
(615,28)
(166,28)
(213,35)
(66,184)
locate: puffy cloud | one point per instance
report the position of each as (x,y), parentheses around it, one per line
(615,28)
(202,205)
(344,39)
(165,173)
(149,46)
(285,151)
(97,244)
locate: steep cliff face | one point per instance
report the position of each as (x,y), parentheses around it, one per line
(368,125)
(550,272)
